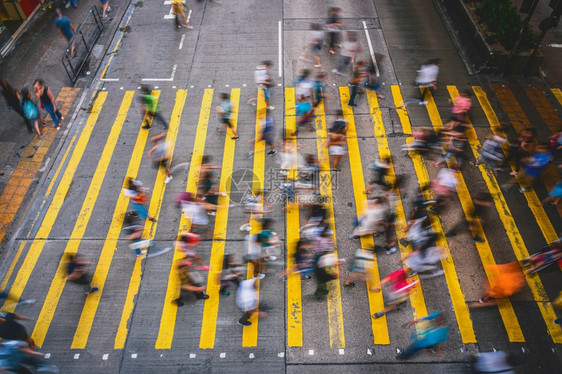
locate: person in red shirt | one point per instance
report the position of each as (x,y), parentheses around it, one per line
(397,290)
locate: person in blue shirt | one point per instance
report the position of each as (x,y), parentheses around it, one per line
(432,332)
(65,29)
(224,110)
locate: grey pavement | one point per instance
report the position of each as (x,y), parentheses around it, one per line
(228,40)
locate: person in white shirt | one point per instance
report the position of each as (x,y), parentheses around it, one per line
(427,78)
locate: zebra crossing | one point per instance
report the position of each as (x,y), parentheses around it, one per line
(136,295)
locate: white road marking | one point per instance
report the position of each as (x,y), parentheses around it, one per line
(105,356)
(181,41)
(121,88)
(45,166)
(47,355)
(222,355)
(109,79)
(555,45)
(171,79)
(173,86)
(188,16)
(281,354)
(371,49)
(341,351)
(192,355)
(280,49)
(370,352)
(134,355)
(251,355)
(311,352)
(77,356)
(244,85)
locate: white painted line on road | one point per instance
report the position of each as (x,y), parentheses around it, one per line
(191,86)
(168,2)
(244,85)
(192,355)
(105,356)
(209,86)
(77,356)
(181,41)
(281,354)
(188,16)
(222,355)
(555,45)
(171,79)
(370,352)
(371,49)
(251,355)
(341,351)
(173,86)
(280,62)
(156,87)
(134,355)
(278,84)
(47,355)
(45,166)
(121,88)
(311,352)
(109,79)
(171,15)
(227,85)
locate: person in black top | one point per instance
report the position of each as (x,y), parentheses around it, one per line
(10,329)
(76,270)
(482,202)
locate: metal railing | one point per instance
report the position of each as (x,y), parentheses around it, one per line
(83,41)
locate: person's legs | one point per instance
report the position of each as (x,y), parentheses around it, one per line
(410,350)
(337,159)
(352,95)
(50,109)
(161,118)
(244,320)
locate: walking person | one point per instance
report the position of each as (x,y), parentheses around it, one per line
(333,28)
(427,78)
(482,203)
(247,300)
(224,110)
(12,97)
(232,272)
(10,329)
(319,91)
(264,81)
(30,111)
(48,102)
(432,332)
(105,8)
(150,109)
(65,29)
(76,268)
(179,11)
(336,140)
(355,80)
(314,46)
(191,281)
(350,48)
(531,169)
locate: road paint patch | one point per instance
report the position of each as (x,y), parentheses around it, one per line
(171,79)
(377,72)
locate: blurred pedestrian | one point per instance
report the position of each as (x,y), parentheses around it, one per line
(48,101)
(232,273)
(350,49)
(17,357)
(460,110)
(319,91)
(10,329)
(336,140)
(507,280)
(491,153)
(304,85)
(76,268)
(65,28)
(371,81)
(187,243)
(355,80)
(30,111)
(475,217)
(264,81)
(224,110)
(105,8)
(397,288)
(456,147)
(161,156)
(247,300)
(431,332)
(314,44)
(531,169)
(333,28)
(427,78)
(305,115)
(191,281)
(151,108)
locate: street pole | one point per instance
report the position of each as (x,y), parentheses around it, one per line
(519,38)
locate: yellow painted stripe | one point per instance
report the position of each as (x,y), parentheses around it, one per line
(211,309)
(376,303)
(517,243)
(250,333)
(169,310)
(558,94)
(457,296)
(335,314)
(59,280)
(533,201)
(150,227)
(58,199)
(108,250)
(62,161)
(12,265)
(416,298)
(294,296)
(401,109)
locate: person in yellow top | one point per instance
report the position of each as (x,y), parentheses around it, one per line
(178,8)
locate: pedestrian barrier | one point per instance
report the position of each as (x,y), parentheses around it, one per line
(82,43)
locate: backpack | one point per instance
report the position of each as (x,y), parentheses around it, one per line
(29,109)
